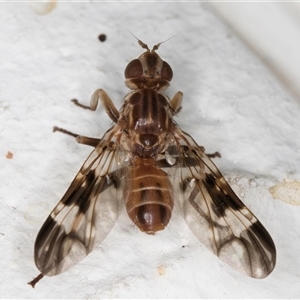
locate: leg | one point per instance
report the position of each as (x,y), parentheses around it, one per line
(75,101)
(109,106)
(213,155)
(85,140)
(55,128)
(36,280)
(175,102)
(93,142)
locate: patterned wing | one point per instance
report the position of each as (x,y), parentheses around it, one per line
(85,214)
(216,215)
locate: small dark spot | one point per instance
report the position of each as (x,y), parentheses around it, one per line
(90,177)
(111,145)
(9,155)
(184,148)
(102,37)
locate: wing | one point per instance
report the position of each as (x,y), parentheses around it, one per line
(215,214)
(86,213)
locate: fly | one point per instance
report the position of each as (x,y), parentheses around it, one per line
(146,163)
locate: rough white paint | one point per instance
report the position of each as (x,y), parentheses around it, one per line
(232,104)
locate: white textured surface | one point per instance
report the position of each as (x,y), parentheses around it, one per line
(232,104)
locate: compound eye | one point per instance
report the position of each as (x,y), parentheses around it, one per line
(134,69)
(166,72)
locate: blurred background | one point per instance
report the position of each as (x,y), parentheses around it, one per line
(272,31)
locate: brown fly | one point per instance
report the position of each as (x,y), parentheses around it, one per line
(148,163)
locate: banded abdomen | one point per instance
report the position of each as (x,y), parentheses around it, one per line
(148,195)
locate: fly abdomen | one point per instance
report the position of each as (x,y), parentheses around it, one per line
(148,196)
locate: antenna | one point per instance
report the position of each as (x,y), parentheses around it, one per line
(155,47)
